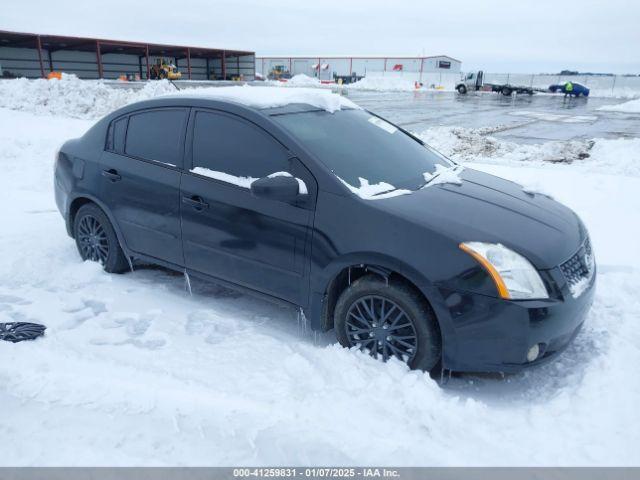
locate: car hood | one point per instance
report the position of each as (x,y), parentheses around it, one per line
(487,208)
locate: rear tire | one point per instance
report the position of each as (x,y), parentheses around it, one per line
(97,240)
(388,319)
(506,91)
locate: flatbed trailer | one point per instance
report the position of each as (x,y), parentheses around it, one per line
(507,89)
(475,82)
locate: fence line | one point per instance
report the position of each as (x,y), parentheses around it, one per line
(600,85)
(613,85)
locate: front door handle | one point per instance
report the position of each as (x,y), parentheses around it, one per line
(112,175)
(196,202)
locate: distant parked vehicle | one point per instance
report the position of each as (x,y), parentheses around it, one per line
(279,72)
(6,73)
(346,79)
(474,81)
(570,88)
(163,69)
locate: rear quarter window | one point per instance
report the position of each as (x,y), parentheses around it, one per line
(116,135)
(156,135)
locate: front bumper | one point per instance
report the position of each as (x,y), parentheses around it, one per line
(490,334)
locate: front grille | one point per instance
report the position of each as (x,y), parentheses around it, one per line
(579,269)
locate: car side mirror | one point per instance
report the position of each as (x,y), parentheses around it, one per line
(281,188)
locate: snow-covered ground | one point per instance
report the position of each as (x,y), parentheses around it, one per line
(135,371)
(632,106)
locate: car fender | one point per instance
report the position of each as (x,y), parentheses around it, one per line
(356,259)
(76,195)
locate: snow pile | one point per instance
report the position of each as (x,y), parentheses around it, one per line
(302,80)
(477,144)
(632,106)
(374,191)
(72,97)
(405,82)
(268,97)
(620,156)
(443,175)
(383,84)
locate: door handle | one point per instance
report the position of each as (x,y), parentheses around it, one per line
(112,175)
(196,202)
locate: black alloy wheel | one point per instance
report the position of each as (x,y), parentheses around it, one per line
(388,318)
(379,326)
(92,239)
(97,240)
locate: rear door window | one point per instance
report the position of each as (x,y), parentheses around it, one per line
(230,145)
(157,135)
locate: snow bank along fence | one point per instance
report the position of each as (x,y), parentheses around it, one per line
(444,80)
(324,68)
(605,85)
(34,56)
(600,85)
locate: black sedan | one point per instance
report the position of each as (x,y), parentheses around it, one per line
(342,214)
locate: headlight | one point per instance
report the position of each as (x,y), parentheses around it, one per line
(514,276)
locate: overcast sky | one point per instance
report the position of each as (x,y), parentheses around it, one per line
(497,36)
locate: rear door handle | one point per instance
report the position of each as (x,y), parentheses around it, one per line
(196,202)
(112,175)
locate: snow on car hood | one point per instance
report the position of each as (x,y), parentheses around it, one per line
(486,208)
(271,97)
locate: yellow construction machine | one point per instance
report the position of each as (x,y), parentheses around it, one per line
(163,69)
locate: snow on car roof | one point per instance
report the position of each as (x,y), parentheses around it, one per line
(270,97)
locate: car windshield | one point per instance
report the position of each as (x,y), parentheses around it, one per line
(364,150)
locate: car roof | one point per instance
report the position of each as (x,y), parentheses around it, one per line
(203,100)
(269,110)
(287,99)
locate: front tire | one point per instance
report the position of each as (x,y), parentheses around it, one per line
(96,239)
(462,89)
(388,319)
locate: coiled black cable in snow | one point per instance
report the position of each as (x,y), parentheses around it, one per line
(20,331)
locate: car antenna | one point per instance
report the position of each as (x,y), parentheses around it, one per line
(173,84)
